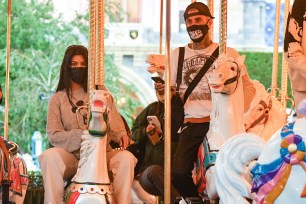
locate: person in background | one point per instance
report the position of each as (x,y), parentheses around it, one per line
(197,108)
(147,131)
(64,133)
(295,48)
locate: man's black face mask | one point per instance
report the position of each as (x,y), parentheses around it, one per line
(197,32)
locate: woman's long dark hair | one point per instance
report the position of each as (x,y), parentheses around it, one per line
(64,80)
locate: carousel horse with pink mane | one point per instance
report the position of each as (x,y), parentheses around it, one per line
(91,183)
(226,116)
(279,174)
(13,173)
(265,115)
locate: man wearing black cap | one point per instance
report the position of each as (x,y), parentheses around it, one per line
(197,108)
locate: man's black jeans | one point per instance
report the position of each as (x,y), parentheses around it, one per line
(186,154)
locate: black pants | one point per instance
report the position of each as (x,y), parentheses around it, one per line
(152,181)
(185,156)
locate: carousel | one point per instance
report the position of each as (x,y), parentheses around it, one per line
(259,157)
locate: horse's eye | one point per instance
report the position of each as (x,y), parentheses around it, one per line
(233,68)
(260,109)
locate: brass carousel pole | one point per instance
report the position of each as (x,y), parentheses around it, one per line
(284,88)
(8,53)
(161,27)
(99,71)
(96,47)
(167,178)
(91,50)
(274,86)
(160,42)
(211,8)
(223,26)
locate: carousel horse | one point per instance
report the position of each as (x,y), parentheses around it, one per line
(14,178)
(226,115)
(157,63)
(278,176)
(91,184)
(265,115)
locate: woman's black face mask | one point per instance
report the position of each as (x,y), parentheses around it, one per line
(78,74)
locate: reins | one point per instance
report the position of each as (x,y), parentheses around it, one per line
(233,79)
(265,114)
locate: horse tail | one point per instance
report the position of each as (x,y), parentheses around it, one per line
(232,172)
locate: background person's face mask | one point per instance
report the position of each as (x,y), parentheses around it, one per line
(78,74)
(197,32)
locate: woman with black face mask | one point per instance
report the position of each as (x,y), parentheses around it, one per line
(73,74)
(192,58)
(64,133)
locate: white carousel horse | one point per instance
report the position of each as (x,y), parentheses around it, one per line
(227,112)
(265,115)
(91,184)
(157,63)
(279,174)
(14,170)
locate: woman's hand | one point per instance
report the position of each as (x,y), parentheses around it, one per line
(124,141)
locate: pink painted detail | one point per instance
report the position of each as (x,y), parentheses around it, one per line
(98,103)
(270,185)
(294,160)
(290,139)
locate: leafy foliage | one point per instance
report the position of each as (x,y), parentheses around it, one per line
(38,43)
(35,191)
(259,65)
(32,25)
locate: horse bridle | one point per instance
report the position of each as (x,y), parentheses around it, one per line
(233,79)
(265,114)
(210,155)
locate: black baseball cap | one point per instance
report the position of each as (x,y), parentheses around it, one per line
(202,10)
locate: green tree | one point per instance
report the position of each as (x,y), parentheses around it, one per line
(259,65)
(38,45)
(33,25)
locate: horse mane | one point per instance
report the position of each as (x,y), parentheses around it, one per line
(233,182)
(233,165)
